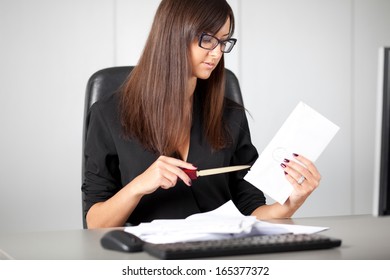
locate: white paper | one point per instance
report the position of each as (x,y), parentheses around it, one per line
(305,132)
(224,222)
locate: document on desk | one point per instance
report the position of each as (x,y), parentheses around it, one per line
(223,222)
(305,132)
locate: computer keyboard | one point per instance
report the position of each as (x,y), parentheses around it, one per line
(240,246)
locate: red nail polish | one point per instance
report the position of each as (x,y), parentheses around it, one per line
(295,155)
(285,173)
(286,160)
(283,165)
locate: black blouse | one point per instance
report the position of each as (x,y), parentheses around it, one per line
(112,162)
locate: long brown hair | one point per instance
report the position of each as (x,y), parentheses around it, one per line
(152,106)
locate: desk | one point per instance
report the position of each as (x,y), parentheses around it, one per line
(363,237)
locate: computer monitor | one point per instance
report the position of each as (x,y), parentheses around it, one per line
(382,152)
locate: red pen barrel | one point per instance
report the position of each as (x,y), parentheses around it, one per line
(191,173)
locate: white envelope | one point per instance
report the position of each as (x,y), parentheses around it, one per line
(305,132)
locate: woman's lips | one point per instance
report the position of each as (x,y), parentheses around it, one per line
(209,65)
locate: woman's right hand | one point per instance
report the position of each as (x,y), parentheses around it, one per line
(164,173)
(114,212)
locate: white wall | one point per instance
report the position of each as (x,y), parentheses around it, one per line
(323,52)
(48,50)
(371,30)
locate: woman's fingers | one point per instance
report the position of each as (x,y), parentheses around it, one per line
(302,174)
(309,165)
(165,172)
(175,169)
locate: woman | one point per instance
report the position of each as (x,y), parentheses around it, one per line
(171,114)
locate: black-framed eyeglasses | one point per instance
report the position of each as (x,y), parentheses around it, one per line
(209,42)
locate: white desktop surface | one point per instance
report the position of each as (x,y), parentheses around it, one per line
(363,237)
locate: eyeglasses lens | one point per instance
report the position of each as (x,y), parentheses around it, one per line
(209,42)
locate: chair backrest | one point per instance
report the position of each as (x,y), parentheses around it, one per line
(109,80)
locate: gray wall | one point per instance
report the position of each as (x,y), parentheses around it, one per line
(323,52)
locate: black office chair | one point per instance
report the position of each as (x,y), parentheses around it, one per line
(109,80)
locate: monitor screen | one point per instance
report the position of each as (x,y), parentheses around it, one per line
(382,156)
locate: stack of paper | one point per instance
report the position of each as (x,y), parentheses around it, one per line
(224,222)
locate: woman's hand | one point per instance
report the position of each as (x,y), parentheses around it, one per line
(303,176)
(164,173)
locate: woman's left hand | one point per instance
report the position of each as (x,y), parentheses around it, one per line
(303,176)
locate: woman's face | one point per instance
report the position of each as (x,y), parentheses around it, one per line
(204,61)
